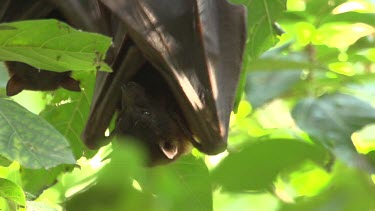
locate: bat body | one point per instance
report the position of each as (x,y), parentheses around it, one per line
(26,77)
(176,66)
(150,113)
(196,47)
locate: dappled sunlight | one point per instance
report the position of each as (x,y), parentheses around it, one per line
(302,137)
(341,35)
(349,6)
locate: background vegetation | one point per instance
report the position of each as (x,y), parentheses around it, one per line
(302,137)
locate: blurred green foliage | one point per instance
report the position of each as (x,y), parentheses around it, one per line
(302,137)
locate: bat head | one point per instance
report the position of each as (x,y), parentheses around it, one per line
(153,123)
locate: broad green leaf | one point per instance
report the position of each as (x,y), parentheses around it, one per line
(35,181)
(349,190)
(53,45)
(114,190)
(274,74)
(321,8)
(12,192)
(341,35)
(68,113)
(30,140)
(325,54)
(261,16)
(257,164)
(4,162)
(352,17)
(187,178)
(360,51)
(263,87)
(331,120)
(261,33)
(159,188)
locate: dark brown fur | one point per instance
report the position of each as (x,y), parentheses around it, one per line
(150,114)
(26,77)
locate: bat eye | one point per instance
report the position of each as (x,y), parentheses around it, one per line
(169,149)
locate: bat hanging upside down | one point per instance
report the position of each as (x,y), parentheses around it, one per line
(150,114)
(178,84)
(176,66)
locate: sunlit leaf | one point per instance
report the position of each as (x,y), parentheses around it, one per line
(352,17)
(114,190)
(261,16)
(68,113)
(341,35)
(350,189)
(321,8)
(188,178)
(35,181)
(325,54)
(53,45)
(256,166)
(41,206)
(29,139)
(12,192)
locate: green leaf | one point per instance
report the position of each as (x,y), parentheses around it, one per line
(350,189)
(114,190)
(187,178)
(256,166)
(261,33)
(261,16)
(274,74)
(361,45)
(321,8)
(12,192)
(3,76)
(35,181)
(159,188)
(331,120)
(263,87)
(277,64)
(70,117)
(325,54)
(30,140)
(53,45)
(4,162)
(41,206)
(371,158)
(352,17)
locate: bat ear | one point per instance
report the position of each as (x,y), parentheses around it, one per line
(169,149)
(14,86)
(70,84)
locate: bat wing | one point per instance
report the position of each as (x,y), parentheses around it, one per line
(197,46)
(15,10)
